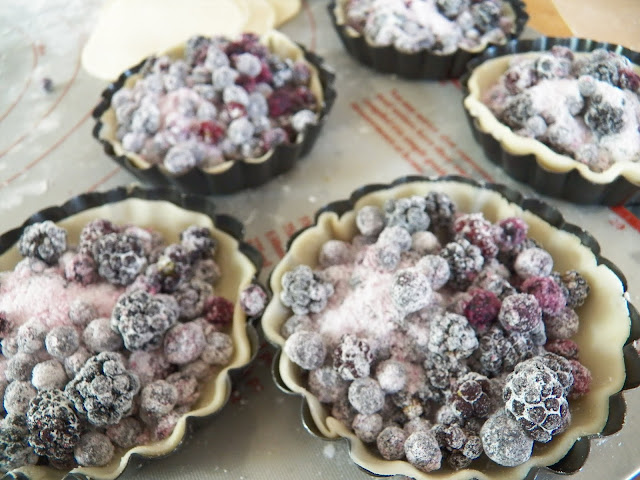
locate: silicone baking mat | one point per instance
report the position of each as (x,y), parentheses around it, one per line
(380,128)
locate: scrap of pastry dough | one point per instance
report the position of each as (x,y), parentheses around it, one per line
(129,30)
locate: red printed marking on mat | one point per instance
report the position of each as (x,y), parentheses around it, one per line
(275,242)
(289,229)
(260,247)
(627,216)
(34,52)
(305,221)
(104,179)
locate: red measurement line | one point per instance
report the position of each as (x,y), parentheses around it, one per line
(289,229)
(48,112)
(47,152)
(107,177)
(27,83)
(456,83)
(627,216)
(312,25)
(403,153)
(258,244)
(305,221)
(395,94)
(275,242)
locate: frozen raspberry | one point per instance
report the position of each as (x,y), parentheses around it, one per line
(422,451)
(519,109)
(304,291)
(192,298)
(478,231)
(548,293)
(581,379)
(410,290)
(99,337)
(482,309)
(561,325)
(54,427)
(629,80)
(436,269)
(81,313)
(326,384)
(367,427)
(501,351)
(465,261)
(49,375)
(441,209)
(408,213)
(198,242)
(533,262)
(334,252)
(207,270)
(565,348)
(451,334)
(218,350)
(390,443)
(44,240)
(504,440)
(471,396)
(370,220)
(81,268)
(74,362)
(126,433)
(103,390)
(352,358)
(17,396)
(158,398)
(306,349)
(142,319)
(511,233)
(520,312)
(294,324)
(253,300)
(30,337)
(218,310)
(577,288)
(391,375)
(536,398)
(187,387)
(442,370)
(15,450)
(94,449)
(183,343)
(365,395)
(120,258)
(425,243)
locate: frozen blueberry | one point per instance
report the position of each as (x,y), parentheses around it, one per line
(352,357)
(408,213)
(207,270)
(179,159)
(302,119)
(30,337)
(391,375)
(149,366)
(253,300)
(45,241)
(504,441)
(94,449)
(240,131)
(146,119)
(49,375)
(192,298)
(422,451)
(395,236)
(334,252)
(306,349)
(520,312)
(81,268)
(125,433)
(370,220)
(390,443)
(158,398)
(184,343)
(98,336)
(517,111)
(19,366)
(548,293)
(451,334)
(187,387)
(365,395)
(410,290)
(74,362)
(367,427)
(424,243)
(17,396)
(533,262)
(81,312)
(218,350)
(326,384)
(304,291)
(294,324)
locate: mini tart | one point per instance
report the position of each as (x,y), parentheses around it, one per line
(529,160)
(168,213)
(421,65)
(605,320)
(229,176)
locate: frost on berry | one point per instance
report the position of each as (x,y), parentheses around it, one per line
(367,427)
(390,443)
(520,312)
(45,241)
(504,440)
(352,357)
(306,349)
(547,292)
(365,395)
(326,384)
(408,213)
(15,450)
(192,297)
(533,262)
(422,451)
(253,300)
(99,337)
(478,231)
(451,334)
(370,220)
(471,396)
(482,309)
(93,450)
(120,258)
(304,291)
(441,210)
(577,288)
(465,262)
(410,290)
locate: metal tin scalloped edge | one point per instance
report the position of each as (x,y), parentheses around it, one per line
(570,185)
(577,455)
(241,174)
(201,204)
(422,65)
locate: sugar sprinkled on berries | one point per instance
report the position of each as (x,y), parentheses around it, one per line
(504,441)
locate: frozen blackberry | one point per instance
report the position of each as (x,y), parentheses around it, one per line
(191,297)
(120,258)
(422,451)
(565,348)
(452,8)
(103,390)
(520,312)
(142,319)
(436,270)
(294,324)
(54,427)
(44,240)
(184,343)
(533,262)
(537,400)
(504,440)
(207,270)
(370,220)
(352,358)
(471,396)
(450,436)
(304,291)
(198,242)
(441,210)
(410,290)
(442,370)
(81,268)
(465,262)
(562,325)
(494,282)
(365,395)
(478,231)
(173,267)
(334,252)
(125,433)
(603,66)
(158,398)
(74,362)
(17,396)
(30,337)
(577,288)
(486,15)
(94,449)
(100,337)
(19,366)
(81,312)
(49,375)
(62,341)
(581,379)
(482,309)
(306,349)
(501,351)
(390,443)
(326,384)
(218,310)
(560,366)
(391,375)
(367,427)
(15,450)
(518,110)
(451,334)
(253,300)
(408,213)
(548,293)
(218,350)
